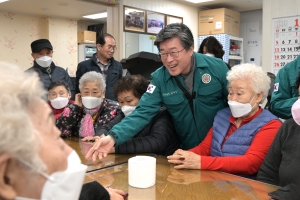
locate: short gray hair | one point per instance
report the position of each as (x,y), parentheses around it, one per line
(92,77)
(19,92)
(258,79)
(178,30)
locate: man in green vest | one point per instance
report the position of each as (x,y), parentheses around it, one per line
(285,94)
(192,86)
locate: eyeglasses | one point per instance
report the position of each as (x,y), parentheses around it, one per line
(109,47)
(174,54)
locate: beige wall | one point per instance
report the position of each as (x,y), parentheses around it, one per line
(18,31)
(63,36)
(274,9)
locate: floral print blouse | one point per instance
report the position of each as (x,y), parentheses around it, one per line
(69,121)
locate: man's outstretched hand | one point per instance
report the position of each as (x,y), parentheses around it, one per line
(100,148)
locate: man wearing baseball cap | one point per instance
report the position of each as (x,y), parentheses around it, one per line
(48,72)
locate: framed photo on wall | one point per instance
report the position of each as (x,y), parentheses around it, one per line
(173,19)
(134,20)
(155,22)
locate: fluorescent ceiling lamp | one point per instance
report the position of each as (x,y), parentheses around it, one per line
(1,1)
(198,1)
(96,16)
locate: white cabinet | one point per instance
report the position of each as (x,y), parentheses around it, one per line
(236,56)
(226,41)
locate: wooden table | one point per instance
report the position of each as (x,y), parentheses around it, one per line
(83,147)
(170,183)
(183,184)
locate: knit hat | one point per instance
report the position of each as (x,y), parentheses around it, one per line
(38,45)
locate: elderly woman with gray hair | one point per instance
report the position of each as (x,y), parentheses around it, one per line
(35,163)
(241,135)
(90,109)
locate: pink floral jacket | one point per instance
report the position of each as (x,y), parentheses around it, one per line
(69,121)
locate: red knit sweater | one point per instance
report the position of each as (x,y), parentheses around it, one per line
(250,162)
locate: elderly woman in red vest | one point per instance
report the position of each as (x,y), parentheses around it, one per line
(241,134)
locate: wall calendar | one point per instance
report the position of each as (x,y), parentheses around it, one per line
(286,41)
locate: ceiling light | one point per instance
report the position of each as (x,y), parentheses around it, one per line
(199,1)
(96,16)
(1,1)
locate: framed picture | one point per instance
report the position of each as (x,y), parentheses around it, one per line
(173,19)
(155,22)
(134,20)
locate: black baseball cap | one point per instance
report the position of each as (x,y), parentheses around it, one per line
(38,45)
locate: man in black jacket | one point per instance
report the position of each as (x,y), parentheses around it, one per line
(104,63)
(48,72)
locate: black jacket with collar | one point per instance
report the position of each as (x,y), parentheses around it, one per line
(114,73)
(158,137)
(56,74)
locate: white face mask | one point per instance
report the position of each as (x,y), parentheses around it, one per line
(91,102)
(209,54)
(127,109)
(44,61)
(63,185)
(240,109)
(296,111)
(59,102)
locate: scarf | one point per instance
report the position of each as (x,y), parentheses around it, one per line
(86,124)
